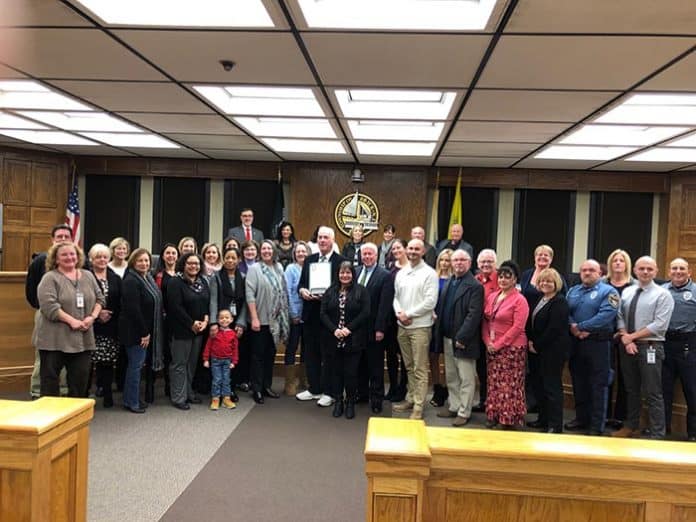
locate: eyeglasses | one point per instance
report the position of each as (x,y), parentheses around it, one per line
(192,263)
(505,275)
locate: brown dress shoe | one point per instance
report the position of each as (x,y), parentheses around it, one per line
(402,406)
(444,413)
(626,432)
(460,421)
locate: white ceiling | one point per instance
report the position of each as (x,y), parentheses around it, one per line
(543,67)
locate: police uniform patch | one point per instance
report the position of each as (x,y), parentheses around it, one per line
(593,294)
(687,296)
(614,300)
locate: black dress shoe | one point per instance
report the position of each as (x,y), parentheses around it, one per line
(338,409)
(575,425)
(537,424)
(479,408)
(258,398)
(194,400)
(181,406)
(350,409)
(376,406)
(234,397)
(243,387)
(554,430)
(144,405)
(270,393)
(135,410)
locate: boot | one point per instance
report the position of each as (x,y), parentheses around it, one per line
(350,408)
(338,408)
(290,380)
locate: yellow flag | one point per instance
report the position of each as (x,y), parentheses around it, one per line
(456,215)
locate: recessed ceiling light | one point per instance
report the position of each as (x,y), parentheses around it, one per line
(395,130)
(182,13)
(314,146)
(396,148)
(656,109)
(620,135)
(287,127)
(131,140)
(576,152)
(8,121)
(23,94)
(81,121)
(450,15)
(262,101)
(675,155)
(391,104)
(46,137)
(686,141)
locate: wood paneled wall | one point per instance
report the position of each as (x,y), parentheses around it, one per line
(681,229)
(400,194)
(16,325)
(34,191)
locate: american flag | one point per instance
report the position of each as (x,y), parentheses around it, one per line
(72,214)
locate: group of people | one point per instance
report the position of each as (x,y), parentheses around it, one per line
(223,312)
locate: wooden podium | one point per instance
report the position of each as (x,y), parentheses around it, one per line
(421,474)
(44,447)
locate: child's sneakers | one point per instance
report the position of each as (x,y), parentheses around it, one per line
(228,403)
(215,403)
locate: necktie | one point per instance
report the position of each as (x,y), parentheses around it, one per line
(363,277)
(631,319)
(247,233)
(322,259)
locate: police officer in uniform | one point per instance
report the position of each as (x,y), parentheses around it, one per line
(680,344)
(593,306)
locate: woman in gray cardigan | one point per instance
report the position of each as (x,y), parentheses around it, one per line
(70,300)
(267,302)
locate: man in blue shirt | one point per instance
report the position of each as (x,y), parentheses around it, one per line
(593,306)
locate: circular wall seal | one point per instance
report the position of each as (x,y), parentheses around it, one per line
(356,209)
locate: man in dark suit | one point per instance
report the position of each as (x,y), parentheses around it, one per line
(459,310)
(316,355)
(246,231)
(381,290)
(455,241)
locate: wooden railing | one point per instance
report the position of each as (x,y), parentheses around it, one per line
(421,474)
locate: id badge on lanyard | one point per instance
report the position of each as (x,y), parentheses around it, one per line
(233,309)
(79,299)
(651,355)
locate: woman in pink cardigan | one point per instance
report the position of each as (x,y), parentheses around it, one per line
(503,330)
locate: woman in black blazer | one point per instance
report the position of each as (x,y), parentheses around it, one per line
(139,325)
(345,310)
(549,342)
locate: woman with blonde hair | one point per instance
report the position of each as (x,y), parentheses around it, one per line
(443,269)
(187,245)
(212,259)
(120,250)
(618,276)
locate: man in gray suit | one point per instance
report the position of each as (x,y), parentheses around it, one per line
(246,231)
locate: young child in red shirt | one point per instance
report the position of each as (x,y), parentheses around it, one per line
(220,354)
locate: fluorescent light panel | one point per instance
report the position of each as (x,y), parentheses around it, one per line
(576,152)
(620,135)
(656,109)
(262,101)
(142,140)
(22,94)
(8,121)
(201,13)
(287,127)
(395,130)
(675,155)
(391,104)
(686,141)
(81,121)
(395,148)
(46,137)
(450,15)
(313,146)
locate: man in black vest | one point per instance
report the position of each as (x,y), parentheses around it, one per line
(316,355)
(379,285)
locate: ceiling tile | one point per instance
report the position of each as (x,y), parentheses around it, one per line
(642,166)
(101,150)
(562,164)
(396,60)
(463,161)
(167,153)
(194,56)
(71,54)
(250,155)
(506,131)
(190,123)
(7,73)
(211,141)
(679,77)
(302,156)
(551,106)
(39,12)
(125,96)
(467,148)
(600,16)
(572,62)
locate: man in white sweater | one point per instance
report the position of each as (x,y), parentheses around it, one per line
(415,297)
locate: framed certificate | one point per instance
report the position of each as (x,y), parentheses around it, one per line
(319,278)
